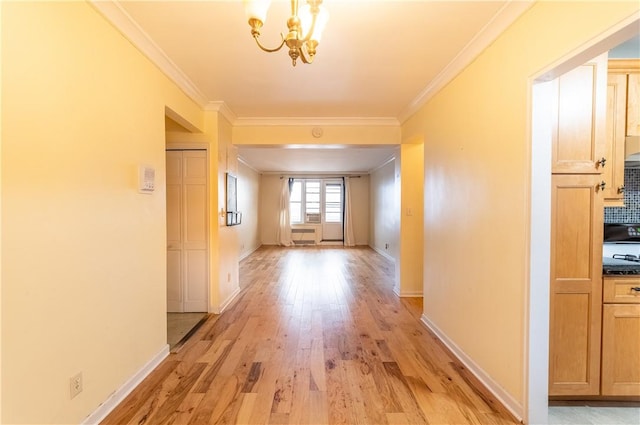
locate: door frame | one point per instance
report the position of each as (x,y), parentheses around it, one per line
(200,147)
(537,295)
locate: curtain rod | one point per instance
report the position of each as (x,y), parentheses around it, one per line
(306,176)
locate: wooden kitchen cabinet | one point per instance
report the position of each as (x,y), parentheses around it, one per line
(621,336)
(613,171)
(633,101)
(629,72)
(579,119)
(576,284)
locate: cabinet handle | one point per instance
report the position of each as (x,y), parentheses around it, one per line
(635,288)
(602,162)
(601,186)
(621,189)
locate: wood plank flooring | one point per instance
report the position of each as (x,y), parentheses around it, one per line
(316,336)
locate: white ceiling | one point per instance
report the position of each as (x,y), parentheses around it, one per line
(317,160)
(377,60)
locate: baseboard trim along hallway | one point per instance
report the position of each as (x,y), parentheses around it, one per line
(498,392)
(316,336)
(121,393)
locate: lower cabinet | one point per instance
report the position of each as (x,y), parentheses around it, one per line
(620,371)
(576,285)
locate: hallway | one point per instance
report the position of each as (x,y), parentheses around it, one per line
(316,336)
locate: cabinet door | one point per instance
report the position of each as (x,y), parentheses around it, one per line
(576,285)
(579,115)
(613,171)
(633,105)
(621,349)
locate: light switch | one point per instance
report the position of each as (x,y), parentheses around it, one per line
(146,179)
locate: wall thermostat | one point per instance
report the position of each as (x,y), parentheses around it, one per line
(146,179)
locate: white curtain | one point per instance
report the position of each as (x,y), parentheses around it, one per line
(284,223)
(349,240)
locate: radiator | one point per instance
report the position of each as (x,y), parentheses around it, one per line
(303,236)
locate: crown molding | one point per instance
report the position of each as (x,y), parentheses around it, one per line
(623,66)
(246,164)
(129,28)
(123,22)
(313,121)
(222,108)
(496,26)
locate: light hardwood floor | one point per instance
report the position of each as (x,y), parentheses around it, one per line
(316,336)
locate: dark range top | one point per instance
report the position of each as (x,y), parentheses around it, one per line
(614,266)
(621,249)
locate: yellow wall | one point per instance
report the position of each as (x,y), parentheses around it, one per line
(249,206)
(1,133)
(83,260)
(477,154)
(411,219)
(229,248)
(301,134)
(384,227)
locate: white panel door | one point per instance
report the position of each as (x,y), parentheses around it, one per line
(187,231)
(333,210)
(174,232)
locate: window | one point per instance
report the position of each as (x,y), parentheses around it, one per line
(312,200)
(295,202)
(333,202)
(307,202)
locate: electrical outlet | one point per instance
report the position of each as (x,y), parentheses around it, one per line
(228,277)
(75,385)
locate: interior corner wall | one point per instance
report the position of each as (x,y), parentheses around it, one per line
(384,220)
(84,253)
(410,272)
(228,236)
(249,205)
(360,208)
(477,163)
(269,207)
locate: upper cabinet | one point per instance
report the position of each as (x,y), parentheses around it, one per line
(579,119)
(627,71)
(633,100)
(623,98)
(613,172)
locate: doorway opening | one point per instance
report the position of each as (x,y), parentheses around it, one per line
(187,234)
(538,300)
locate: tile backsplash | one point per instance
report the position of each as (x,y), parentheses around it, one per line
(631,211)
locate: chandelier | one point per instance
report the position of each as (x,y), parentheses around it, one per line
(305,27)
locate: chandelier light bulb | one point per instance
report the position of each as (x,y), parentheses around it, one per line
(257,9)
(305,27)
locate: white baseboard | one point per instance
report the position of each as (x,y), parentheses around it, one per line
(229,300)
(248,253)
(116,397)
(384,254)
(503,397)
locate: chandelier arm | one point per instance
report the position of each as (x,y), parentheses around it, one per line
(255,37)
(305,57)
(311,29)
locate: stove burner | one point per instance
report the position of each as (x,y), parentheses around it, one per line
(627,257)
